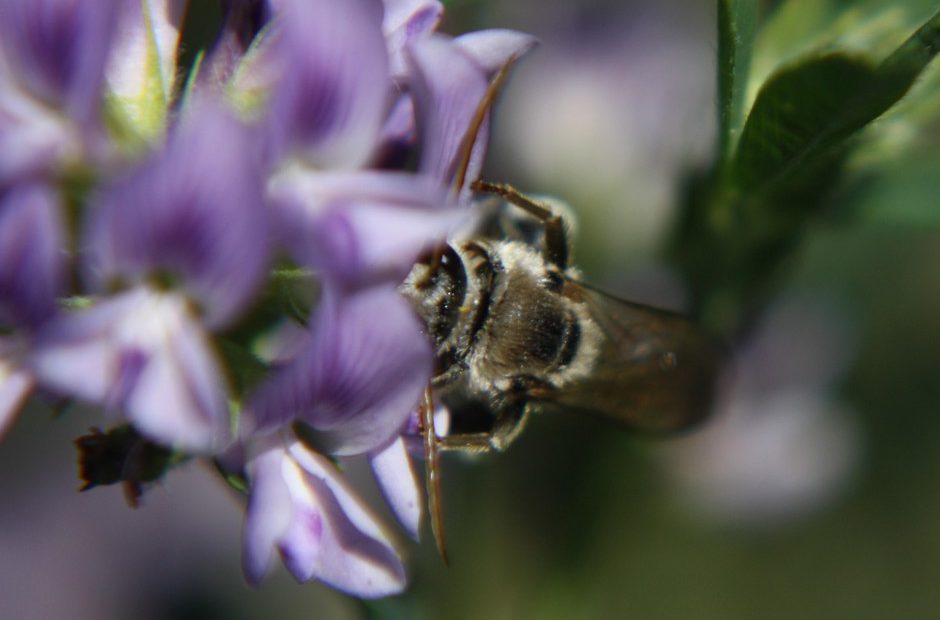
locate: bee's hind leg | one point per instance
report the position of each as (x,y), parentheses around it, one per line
(556,233)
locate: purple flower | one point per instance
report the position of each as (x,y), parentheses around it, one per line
(406,21)
(193,213)
(185,235)
(360,227)
(330,98)
(31,277)
(358,380)
(398,481)
(451,78)
(360,376)
(31,256)
(52,63)
(301,507)
(145,354)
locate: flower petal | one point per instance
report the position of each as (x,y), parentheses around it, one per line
(334,537)
(145,354)
(31,251)
(361,375)
(448,88)
(269,511)
(58,49)
(33,138)
(398,481)
(332,95)
(300,505)
(492,49)
(361,226)
(194,211)
(404,21)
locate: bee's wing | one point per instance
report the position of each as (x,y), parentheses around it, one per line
(655,370)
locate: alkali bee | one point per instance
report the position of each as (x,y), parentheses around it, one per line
(516,330)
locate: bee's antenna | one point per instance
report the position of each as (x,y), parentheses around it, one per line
(465,150)
(435,503)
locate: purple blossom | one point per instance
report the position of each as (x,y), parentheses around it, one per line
(398,481)
(360,227)
(328,103)
(52,64)
(31,277)
(31,255)
(406,21)
(174,248)
(301,507)
(186,234)
(360,376)
(193,212)
(145,354)
(358,381)
(450,80)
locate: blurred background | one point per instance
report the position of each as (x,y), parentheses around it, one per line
(813,493)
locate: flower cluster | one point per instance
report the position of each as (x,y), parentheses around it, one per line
(211,253)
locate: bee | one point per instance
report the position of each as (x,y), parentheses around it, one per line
(516,330)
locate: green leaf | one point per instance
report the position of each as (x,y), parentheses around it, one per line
(808,110)
(737,25)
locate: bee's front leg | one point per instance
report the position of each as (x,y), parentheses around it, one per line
(557,245)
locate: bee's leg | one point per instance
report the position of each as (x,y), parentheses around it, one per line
(434,263)
(556,235)
(432,469)
(509,417)
(472,443)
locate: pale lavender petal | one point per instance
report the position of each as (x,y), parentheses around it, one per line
(448,88)
(15,386)
(194,211)
(404,21)
(144,354)
(58,50)
(361,375)
(333,91)
(361,226)
(398,482)
(33,137)
(269,510)
(334,537)
(492,49)
(31,255)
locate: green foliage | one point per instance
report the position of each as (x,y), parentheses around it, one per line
(737,25)
(743,219)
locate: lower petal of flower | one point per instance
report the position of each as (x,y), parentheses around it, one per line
(147,355)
